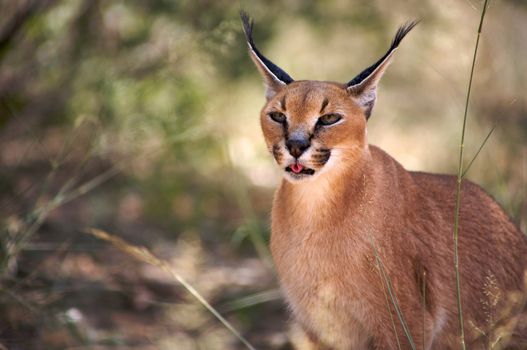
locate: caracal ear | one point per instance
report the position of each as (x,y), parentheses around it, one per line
(275,78)
(364,86)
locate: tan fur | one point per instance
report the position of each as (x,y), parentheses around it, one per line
(355,235)
(325,228)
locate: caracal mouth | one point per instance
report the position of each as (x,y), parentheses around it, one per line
(298,171)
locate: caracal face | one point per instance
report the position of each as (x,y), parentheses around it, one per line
(312,128)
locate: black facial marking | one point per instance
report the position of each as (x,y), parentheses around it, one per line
(322,156)
(324,104)
(276,152)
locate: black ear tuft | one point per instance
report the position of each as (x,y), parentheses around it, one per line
(247,27)
(273,68)
(402,31)
(399,36)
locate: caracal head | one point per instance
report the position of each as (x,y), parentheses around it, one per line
(316,127)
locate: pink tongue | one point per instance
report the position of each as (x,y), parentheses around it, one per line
(296,168)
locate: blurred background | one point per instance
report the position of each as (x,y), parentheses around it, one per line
(140,118)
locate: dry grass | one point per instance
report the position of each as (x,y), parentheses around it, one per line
(144,255)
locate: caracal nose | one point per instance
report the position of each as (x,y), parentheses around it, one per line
(297,146)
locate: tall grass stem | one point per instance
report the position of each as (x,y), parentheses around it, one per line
(459,181)
(386,282)
(389,309)
(424,307)
(479,150)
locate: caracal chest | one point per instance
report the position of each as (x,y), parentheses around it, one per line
(320,273)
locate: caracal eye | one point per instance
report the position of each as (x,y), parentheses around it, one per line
(278,117)
(329,119)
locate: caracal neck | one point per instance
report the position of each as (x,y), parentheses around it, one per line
(329,195)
